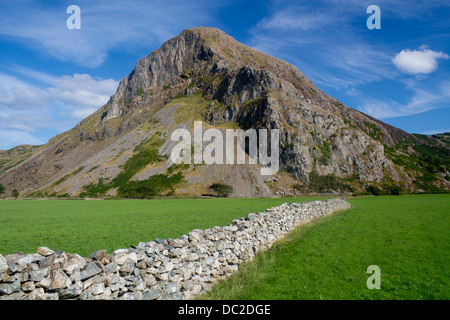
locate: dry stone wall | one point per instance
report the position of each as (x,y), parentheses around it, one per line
(161,269)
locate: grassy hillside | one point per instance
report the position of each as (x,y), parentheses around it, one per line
(406,236)
(12,157)
(427,158)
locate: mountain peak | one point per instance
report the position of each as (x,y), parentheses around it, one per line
(201,52)
(207,31)
(236,53)
(205,75)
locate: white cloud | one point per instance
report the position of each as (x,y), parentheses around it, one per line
(12,138)
(422,100)
(295,19)
(422,61)
(105,26)
(338,60)
(383,109)
(29,113)
(18,126)
(327,44)
(41,77)
(82,113)
(81,90)
(17,94)
(321,39)
(436,131)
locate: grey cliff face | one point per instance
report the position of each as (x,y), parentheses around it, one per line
(258,91)
(161,67)
(204,74)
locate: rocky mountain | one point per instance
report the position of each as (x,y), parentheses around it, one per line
(124,148)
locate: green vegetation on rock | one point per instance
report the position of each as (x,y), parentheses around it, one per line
(326,183)
(222,190)
(144,154)
(67,176)
(424,156)
(325,151)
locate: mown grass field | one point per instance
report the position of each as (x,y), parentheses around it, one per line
(84,226)
(408,237)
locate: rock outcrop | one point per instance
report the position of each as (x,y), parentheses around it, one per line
(204,74)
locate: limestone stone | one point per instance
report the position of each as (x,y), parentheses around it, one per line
(121,258)
(171,287)
(59,280)
(48,261)
(28,286)
(9,288)
(98,288)
(44,283)
(153,294)
(45,251)
(30,258)
(67,293)
(3,264)
(38,294)
(127,267)
(90,270)
(112,267)
(98,255)
(40,274)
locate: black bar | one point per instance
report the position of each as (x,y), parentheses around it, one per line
(213,309)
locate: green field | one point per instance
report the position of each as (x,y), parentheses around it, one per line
(408,237)
(84,226)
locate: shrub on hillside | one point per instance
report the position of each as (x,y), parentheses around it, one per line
(318,183)
(15,193)
(300,187)
(222,190)
(374,190)
(394,190)
(140,192)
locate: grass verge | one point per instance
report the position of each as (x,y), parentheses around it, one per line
(406,236)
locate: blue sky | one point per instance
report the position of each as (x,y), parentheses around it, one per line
(52,77)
